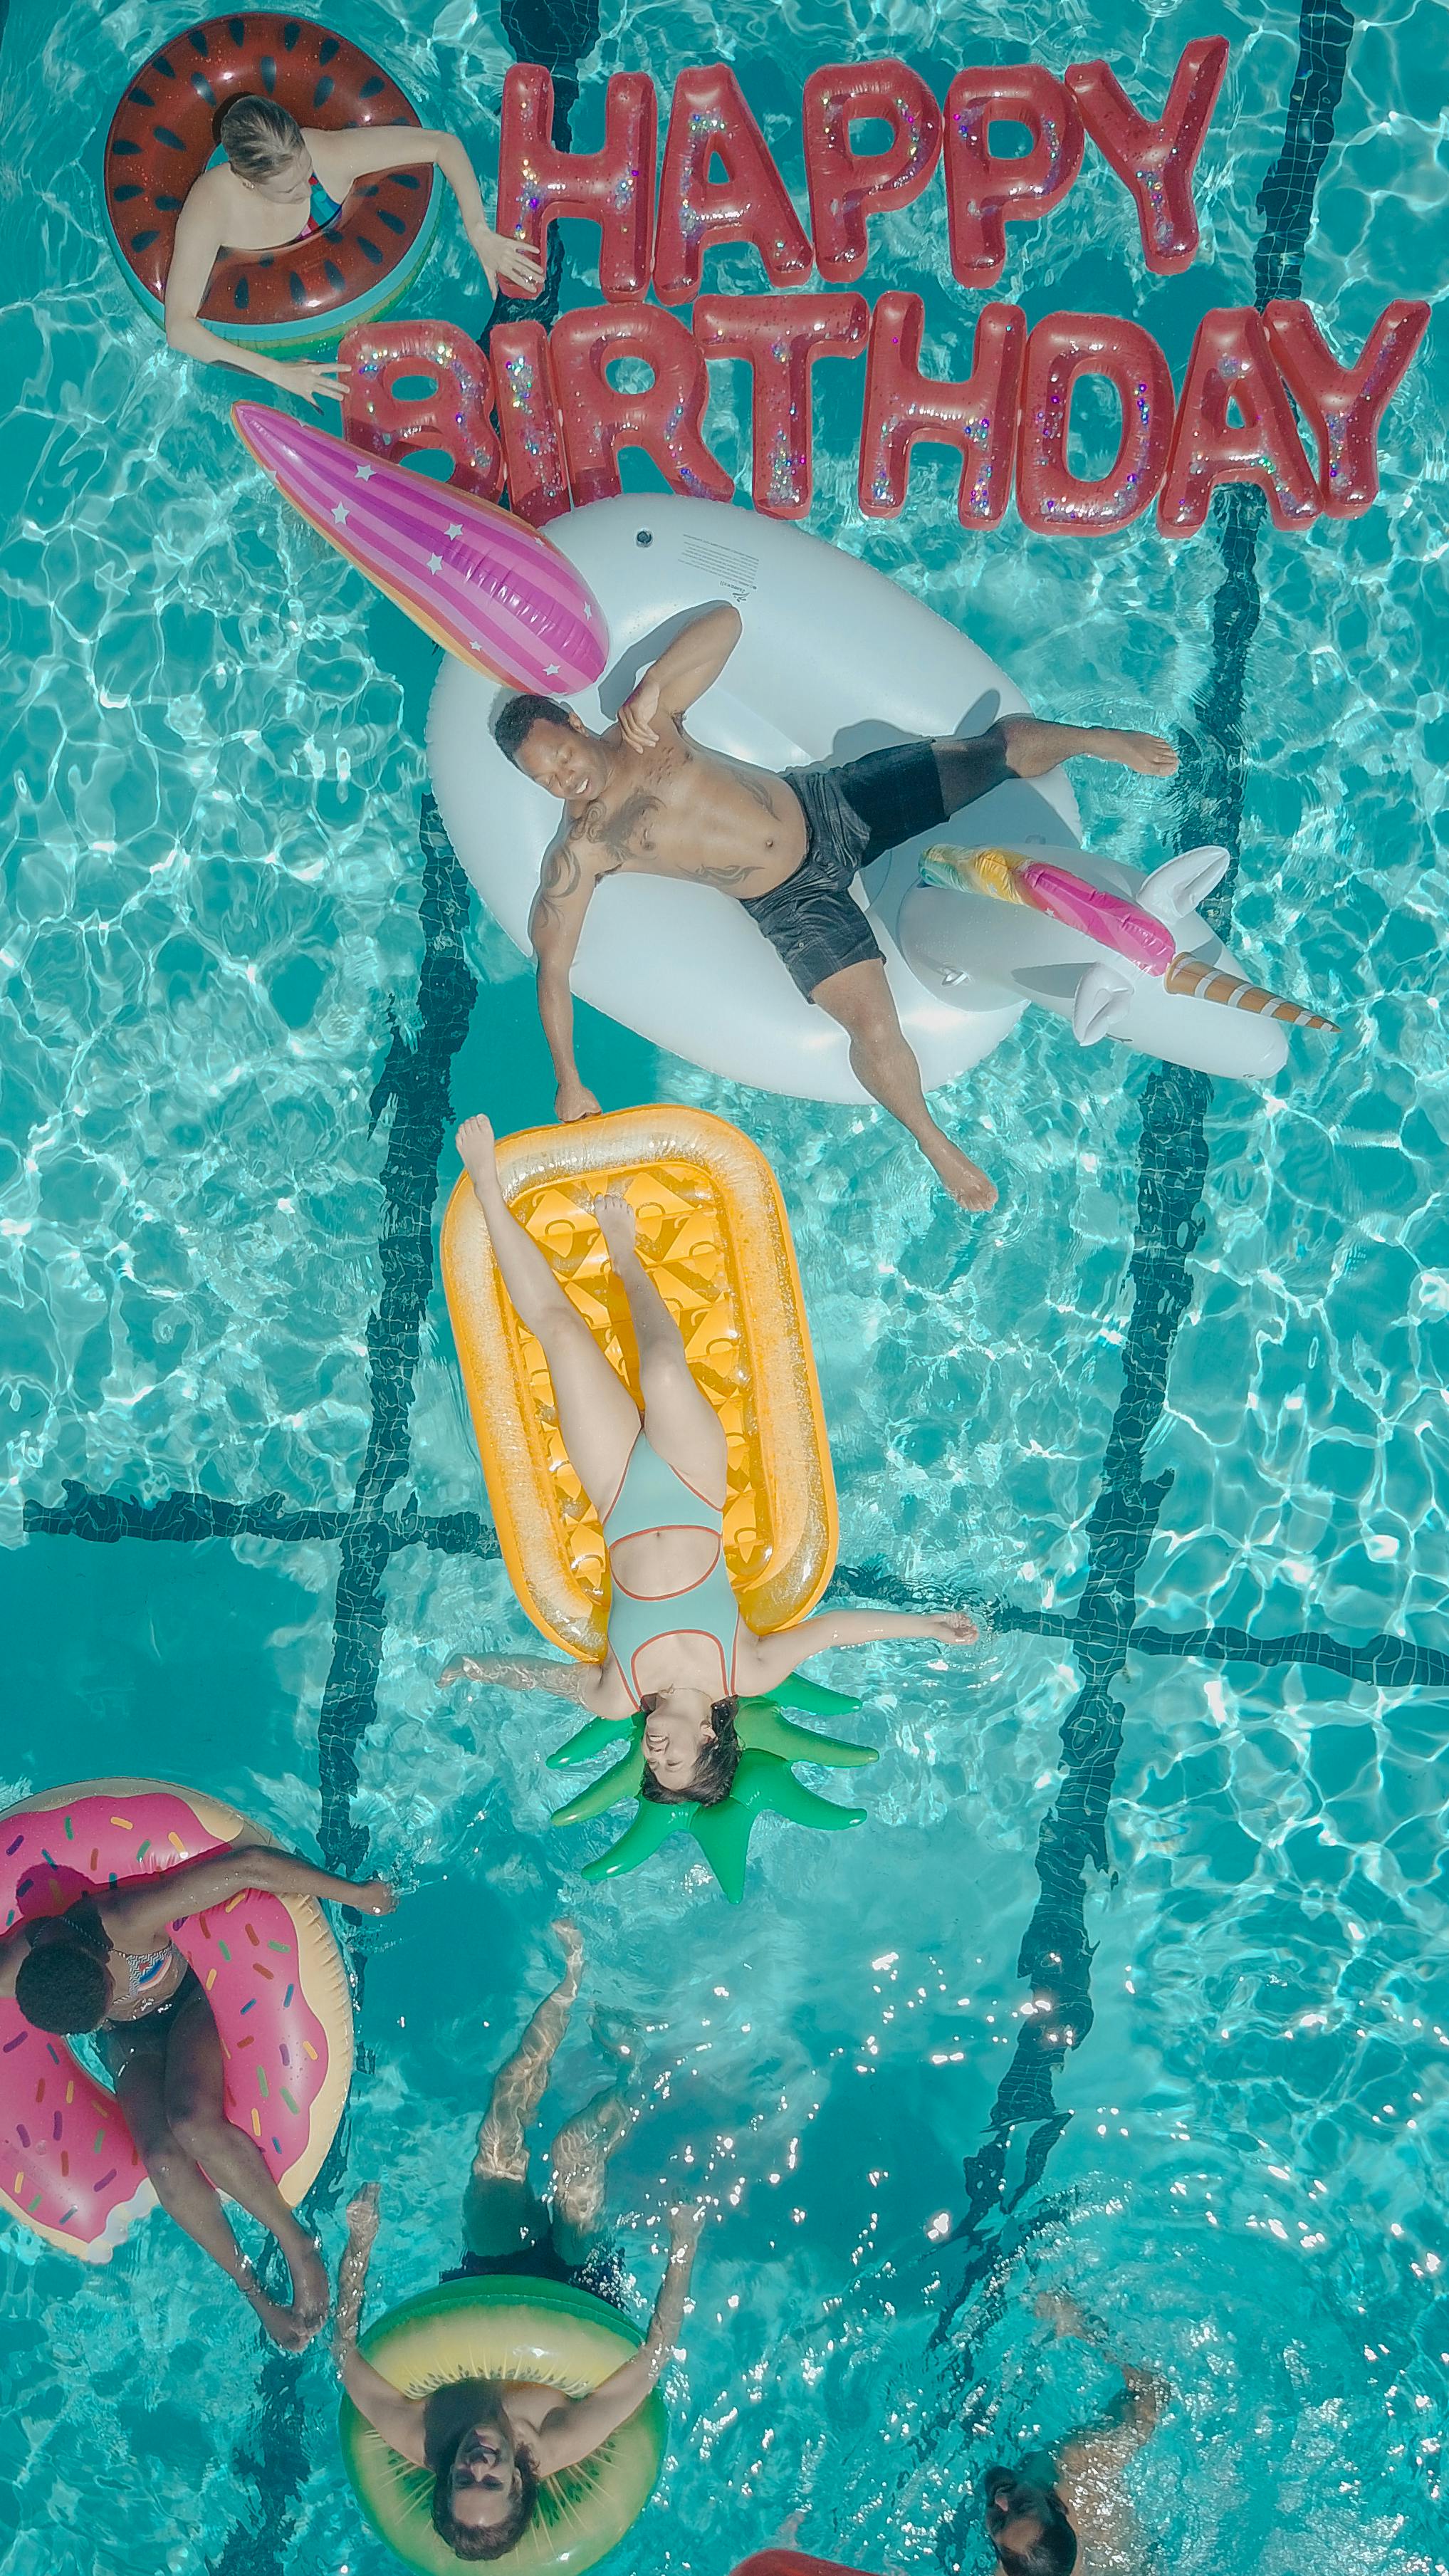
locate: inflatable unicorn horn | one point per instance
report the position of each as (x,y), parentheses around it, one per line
(1189,975)
(1139,929)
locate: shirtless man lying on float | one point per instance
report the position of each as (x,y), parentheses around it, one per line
(642,796)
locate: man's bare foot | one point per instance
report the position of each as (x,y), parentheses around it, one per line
(478,1152)
(618,1224)
(1145,752)
(965,1180)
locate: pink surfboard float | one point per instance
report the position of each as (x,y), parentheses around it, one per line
(482,583)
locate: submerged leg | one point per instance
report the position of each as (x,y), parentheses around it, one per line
(518,2086)
(582,2149)
(596,1413)
(500,2213)
(859,997)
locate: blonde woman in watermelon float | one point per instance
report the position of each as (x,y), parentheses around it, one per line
(108,1965)
(281,182)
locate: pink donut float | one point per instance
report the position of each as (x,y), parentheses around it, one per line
(481,582)
(272,1971)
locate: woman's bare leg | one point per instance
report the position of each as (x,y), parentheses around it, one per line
(679,1420)
(181,2186)
(597,1414)
(196,2117)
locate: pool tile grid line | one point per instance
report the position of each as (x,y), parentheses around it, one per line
(1055,1954)
(187,1519)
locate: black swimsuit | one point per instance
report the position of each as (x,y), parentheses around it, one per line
(853,814)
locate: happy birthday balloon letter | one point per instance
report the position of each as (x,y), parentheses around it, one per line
(482,583)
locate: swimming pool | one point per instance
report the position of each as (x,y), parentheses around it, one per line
(1174,1413)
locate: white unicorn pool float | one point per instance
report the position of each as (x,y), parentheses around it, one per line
(995,910)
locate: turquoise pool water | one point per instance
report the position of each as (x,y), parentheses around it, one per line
(1175,1413)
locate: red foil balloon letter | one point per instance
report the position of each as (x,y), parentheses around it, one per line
(454,415)
(985,191)
(613,187)
(845,185)
(780,336)
(1049,496)
(978,418)
(1156,158)
(709,121)
(528,421)
(1232,364)
(664,420)
(1344,405)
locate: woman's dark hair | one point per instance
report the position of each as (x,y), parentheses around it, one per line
(513,725)
(62,1987)
(468,2540)
(1054,2551)
(714,1772)
(258,137)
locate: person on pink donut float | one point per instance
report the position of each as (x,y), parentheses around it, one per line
(108,1965)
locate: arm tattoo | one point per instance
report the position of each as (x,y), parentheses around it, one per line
(560,876)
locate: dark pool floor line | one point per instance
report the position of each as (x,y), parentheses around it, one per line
(1055,1955)
(190,1519)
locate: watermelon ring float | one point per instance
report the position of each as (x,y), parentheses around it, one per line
(273,1974)
(162,137)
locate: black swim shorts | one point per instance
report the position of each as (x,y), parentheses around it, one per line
(601,2271)
(853,813)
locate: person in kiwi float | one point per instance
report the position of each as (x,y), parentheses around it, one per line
(489,2443)
(282,181)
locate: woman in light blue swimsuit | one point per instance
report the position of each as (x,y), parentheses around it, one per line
(678,1650)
